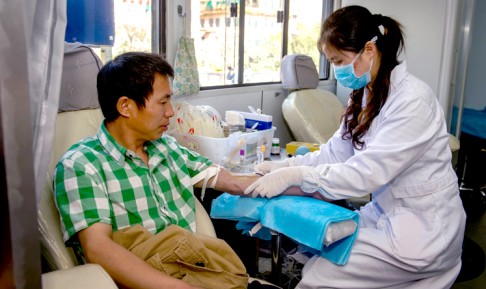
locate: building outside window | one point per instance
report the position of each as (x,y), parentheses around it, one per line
(249,47)
(238,42)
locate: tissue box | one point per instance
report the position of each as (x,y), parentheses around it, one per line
(223,150)
(264,121)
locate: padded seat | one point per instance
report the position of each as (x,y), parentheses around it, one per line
(91,276)
(312,114)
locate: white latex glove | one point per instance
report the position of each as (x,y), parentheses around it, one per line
(269,166)
(276,182)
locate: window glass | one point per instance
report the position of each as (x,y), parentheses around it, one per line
(216,38)
(304,27)
(263,41)
(133,28)
(224,56)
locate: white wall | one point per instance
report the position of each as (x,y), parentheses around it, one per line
(175,26)
(474,93)
(272,104)
(430,28)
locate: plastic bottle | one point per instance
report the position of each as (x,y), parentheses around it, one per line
(260,154)
(275,146)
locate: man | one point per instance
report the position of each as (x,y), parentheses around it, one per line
(131,174)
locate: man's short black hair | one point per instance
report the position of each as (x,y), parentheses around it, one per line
(130,74)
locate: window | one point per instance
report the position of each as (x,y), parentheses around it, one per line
(304,28)
(238,42)
(256,35)
(133,26)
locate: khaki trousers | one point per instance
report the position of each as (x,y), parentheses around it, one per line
(197,259)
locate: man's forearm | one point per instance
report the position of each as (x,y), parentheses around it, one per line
(234,184)
(296,191)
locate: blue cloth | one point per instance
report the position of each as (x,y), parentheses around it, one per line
(303,219)
(473,121)
(237,208)
(246,227)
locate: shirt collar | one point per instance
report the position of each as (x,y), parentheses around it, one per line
(157,146)
(111,146)
(119,153)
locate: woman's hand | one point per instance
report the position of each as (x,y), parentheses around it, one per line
(276,182)
(269,166)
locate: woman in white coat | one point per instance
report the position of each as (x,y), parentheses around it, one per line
(392,143)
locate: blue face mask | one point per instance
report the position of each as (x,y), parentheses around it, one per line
(346,76)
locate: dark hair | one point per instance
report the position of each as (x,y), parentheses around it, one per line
(348,29)
(130,74)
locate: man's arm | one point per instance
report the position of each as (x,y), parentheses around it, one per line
(236,185)
(123,266)
(297,191)
(228,182)
(233,184)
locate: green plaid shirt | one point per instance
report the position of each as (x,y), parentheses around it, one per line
(98,180)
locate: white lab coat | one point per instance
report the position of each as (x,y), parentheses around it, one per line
(411,233)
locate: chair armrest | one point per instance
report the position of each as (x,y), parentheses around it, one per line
(204,225)
(90,276)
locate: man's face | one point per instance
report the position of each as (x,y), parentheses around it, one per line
(150,122)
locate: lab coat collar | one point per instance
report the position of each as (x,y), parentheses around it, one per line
(398,74)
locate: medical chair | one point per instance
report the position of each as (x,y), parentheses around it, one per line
(79,116)
(313,115)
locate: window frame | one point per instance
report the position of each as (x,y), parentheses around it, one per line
(163,29)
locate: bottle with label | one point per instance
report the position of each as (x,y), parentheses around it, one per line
(242,157)
(275,146)
(260,154)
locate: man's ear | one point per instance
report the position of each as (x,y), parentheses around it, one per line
(123,106)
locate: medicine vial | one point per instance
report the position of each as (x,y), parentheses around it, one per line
(260,154)
(275,146)
(242,156)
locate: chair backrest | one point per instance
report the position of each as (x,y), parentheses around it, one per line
(70,127)
(79,116)
(312,114)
